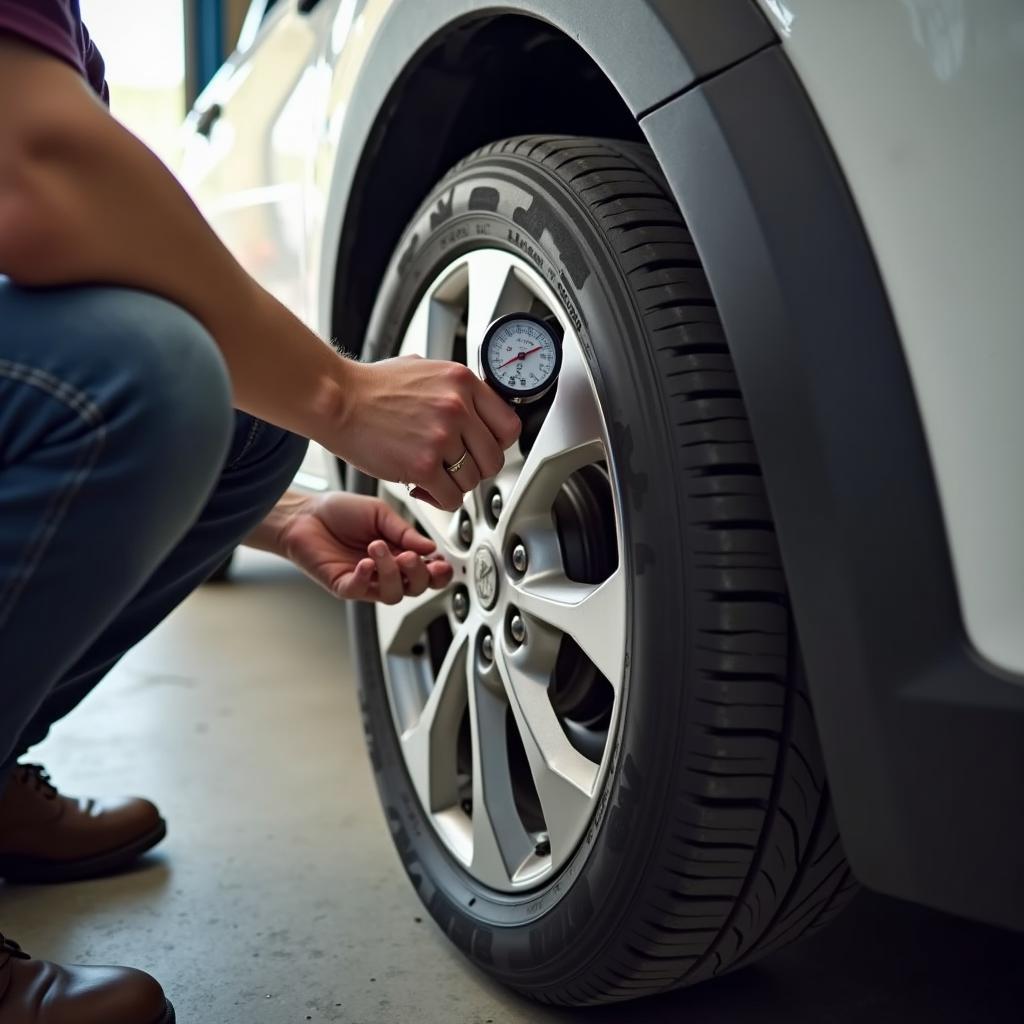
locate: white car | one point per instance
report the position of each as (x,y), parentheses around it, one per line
(742,619)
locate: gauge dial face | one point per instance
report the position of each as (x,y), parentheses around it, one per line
(521,356)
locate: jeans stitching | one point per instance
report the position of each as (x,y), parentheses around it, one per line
(90,413)
(77,400)
(250,439)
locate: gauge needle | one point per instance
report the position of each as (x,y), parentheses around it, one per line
(519,358)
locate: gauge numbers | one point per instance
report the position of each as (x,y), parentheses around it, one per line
(521,356)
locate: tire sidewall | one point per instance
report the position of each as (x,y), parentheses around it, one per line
(513,203)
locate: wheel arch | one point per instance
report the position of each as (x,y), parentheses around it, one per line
(586,77)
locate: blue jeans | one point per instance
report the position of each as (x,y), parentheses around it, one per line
(125,479)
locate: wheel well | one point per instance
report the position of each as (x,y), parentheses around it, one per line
(456,96)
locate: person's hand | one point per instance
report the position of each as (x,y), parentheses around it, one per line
(410,418)
(357,547)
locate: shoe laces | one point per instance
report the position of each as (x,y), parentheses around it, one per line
(9,949)
(37,776)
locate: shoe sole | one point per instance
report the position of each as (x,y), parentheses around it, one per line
(168,1017)
(33,870)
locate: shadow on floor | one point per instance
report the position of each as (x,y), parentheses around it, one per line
(883,962)
(65,917)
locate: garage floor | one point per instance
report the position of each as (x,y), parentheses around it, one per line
(277,896)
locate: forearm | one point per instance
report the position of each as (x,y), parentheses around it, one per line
(84,201)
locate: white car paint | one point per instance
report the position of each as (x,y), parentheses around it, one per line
(923,101)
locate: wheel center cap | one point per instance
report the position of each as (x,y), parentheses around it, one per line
(485,577)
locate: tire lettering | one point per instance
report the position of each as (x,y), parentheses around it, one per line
(409,255)
(560,930)
(443,211)
(570,306)
(620,824)
(455,235)
(483,197)
(541,216)
(526,248)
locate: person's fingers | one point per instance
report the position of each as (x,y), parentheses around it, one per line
(440,574)
(497,414)
(400,533)
(484,449)
(389,578)
(467,476)
(442,488)
(355,586)
(414,572)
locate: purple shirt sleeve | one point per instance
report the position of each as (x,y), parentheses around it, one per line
(95,69)
(56,25)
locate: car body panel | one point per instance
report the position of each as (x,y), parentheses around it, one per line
(923,103)
(250,174)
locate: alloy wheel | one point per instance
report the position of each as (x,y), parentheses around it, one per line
(506,688)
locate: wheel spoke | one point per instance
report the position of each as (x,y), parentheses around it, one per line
(594,615)
(500,843)
(571,437)
(564,778)
(401,625)
(431,331)
(494,289)
(430,745)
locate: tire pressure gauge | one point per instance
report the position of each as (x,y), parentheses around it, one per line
(521,355)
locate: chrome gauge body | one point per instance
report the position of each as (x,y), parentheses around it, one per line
(521,356)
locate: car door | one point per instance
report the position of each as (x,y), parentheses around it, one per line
(248,150)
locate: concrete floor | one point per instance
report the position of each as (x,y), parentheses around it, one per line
(277,896)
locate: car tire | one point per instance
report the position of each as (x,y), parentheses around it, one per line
(713,841)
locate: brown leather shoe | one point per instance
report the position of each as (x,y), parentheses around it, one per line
(46,837)
(38,992)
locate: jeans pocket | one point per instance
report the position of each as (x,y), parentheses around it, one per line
(247,433)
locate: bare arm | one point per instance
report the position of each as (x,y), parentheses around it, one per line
(83,201)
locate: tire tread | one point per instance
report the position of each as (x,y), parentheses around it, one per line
(750,858)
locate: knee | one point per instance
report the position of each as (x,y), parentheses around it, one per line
(172,394)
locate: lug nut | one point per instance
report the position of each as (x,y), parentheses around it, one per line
(496,505)
(460,605)
(487,647)
(465,529)
(517,628)
(519,559)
